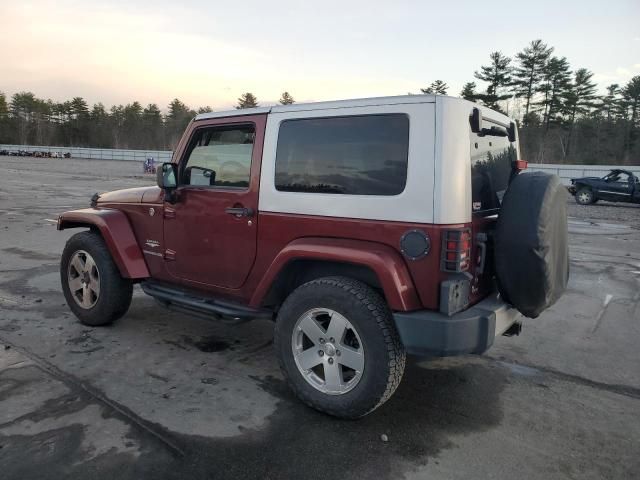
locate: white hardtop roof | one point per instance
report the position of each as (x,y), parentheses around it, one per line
(298,107)
(442,100)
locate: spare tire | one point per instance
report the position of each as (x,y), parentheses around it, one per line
(531,243)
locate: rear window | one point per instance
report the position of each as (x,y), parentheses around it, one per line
(491,167)
(358,155)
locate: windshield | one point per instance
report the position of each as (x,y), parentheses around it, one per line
(492,158)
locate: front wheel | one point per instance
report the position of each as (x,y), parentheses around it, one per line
(338,346)
(584,196)
(91,281)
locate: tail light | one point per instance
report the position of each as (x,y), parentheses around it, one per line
(520,165)
(456,250)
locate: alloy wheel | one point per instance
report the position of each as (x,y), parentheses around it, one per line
(584,197)
(84,279)
(328,351)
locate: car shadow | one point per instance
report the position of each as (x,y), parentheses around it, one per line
(435,401)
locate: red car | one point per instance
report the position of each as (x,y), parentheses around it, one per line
(366,229)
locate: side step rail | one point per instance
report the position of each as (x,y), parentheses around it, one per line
(191,301)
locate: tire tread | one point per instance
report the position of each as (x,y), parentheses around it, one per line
(396,356)
(118,290)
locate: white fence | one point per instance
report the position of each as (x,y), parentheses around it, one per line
(97,153)
(567,172)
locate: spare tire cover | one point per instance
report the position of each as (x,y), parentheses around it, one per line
(531,243)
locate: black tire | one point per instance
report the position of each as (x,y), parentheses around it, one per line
(368,313)
(531,243)
(585,196)
(115,292)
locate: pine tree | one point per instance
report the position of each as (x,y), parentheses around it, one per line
(498,75)
(528,74)
(22,108)
(580,97)
(247,100)
(610,103)
(436,88)
(286,99)
(205,109)
(556,79)
(631,97)
(178,118)
(4,119)
(469,92)
(579,100)
(152,127)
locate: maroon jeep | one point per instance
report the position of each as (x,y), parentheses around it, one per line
(366,229)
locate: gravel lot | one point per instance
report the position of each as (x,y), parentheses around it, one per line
(611,212)
(164,395)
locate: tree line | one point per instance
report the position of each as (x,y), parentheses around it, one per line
(561,116)
(28,120)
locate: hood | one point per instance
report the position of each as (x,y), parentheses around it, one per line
(131,195)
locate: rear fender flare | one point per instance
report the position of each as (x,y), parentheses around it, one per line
(386,263)
(117,233)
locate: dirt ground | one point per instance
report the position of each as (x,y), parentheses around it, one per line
(165,395)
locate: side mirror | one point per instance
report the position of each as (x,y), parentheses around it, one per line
(166,176)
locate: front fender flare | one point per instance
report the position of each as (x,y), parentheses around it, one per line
(117,233)
(385,262)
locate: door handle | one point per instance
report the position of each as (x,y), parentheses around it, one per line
(239,211)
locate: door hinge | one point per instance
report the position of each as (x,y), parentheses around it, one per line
(169,254)
(169,212)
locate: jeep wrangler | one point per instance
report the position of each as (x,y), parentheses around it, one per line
(366,229)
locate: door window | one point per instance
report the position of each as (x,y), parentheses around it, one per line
(617,177)
(219,157)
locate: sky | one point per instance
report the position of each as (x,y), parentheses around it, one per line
(209,52)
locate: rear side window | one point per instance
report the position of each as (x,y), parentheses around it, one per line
(492,160)
(359,155)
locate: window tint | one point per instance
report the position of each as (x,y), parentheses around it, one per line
(363,155)
(220,157)
(492,160)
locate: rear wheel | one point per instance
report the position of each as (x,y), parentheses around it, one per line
(91,282)
(338,346)
(584,196)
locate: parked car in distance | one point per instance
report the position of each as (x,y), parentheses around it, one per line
(616,186)
(365,229)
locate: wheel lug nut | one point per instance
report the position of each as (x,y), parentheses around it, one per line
(330,360)
(322,340)
(320,352)
(331,340)
(338,352)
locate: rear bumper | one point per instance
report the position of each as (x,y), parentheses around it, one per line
(430,333)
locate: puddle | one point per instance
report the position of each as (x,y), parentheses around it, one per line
(49,282)
(30,254)
(209,344)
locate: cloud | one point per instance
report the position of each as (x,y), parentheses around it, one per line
(620,75)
